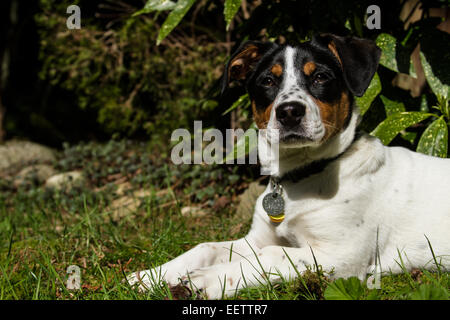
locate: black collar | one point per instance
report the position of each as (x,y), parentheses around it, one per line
(301,173)
(314,167)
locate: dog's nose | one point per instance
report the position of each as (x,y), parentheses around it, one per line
(290,113)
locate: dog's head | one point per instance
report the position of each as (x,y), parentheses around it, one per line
(305,91)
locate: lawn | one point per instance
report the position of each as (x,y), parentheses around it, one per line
(43,231)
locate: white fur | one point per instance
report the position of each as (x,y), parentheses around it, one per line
(370,192)
(335,215)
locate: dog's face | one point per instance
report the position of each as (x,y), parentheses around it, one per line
(305,91)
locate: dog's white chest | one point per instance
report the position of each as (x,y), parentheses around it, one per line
(286,231)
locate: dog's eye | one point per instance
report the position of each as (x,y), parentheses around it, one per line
(320,78)
(268,82)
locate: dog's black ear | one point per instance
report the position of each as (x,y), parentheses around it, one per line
(358,58)
(243,61)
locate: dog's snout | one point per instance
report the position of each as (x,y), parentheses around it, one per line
(289,114)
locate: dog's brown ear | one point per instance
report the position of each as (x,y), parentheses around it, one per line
(358,58)
(243,61)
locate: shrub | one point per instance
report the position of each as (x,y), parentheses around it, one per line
(117,69)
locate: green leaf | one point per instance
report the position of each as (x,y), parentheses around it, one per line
(174,18)
(242,101)
(409,136)
(374,294)
(391,106)
(230,10)
(387,44)
(424,104)
(358,25)
(156,5)
(392,125)
(438,88)
(347,25)
(434,140)
(412,70)
(430,292)
(444,107)
(344,289)
(371,93)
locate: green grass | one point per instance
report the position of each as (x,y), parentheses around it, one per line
(38,244)
(43,232)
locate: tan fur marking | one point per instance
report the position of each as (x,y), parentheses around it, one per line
(261,117)
(333,49)
(241,63)
(334,115)
(277,70)
(309,67)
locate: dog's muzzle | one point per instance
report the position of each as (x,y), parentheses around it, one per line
(290,114)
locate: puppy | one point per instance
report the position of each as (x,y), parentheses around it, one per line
(336,197)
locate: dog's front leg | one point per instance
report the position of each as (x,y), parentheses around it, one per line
(203,255)
(269,264)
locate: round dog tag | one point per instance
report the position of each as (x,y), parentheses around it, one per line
(273,204)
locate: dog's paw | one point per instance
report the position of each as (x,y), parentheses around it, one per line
(210,282)
(181,292)
(142,280)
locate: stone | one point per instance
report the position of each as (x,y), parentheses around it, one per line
(128,201)
(38,173)
(193,212)
(247,200)
(16,155)
(66,180)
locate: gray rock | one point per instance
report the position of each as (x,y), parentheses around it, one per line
(38,173)
(193,212)
(15,155)
(65,180)
(248,199)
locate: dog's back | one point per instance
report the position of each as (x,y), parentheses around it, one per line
(417,205)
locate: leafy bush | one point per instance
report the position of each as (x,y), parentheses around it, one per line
(434,139)
(117,69)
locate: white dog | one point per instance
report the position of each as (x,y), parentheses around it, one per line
(339,197)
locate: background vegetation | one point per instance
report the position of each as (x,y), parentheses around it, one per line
(108,96)
(122,74)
